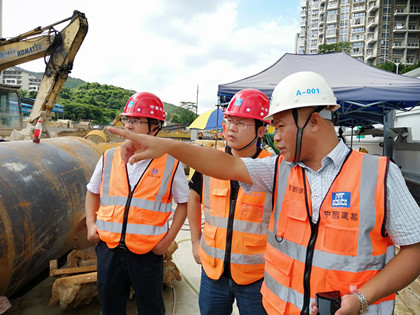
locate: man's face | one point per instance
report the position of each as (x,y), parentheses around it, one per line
(239,131)
(285,134)
(136,124)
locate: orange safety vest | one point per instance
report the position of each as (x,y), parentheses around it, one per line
(345,249)
(137,218)
(250,226)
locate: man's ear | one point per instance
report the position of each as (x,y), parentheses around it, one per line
(261,131)
(315,120)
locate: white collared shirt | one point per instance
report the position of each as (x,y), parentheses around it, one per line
(180,190)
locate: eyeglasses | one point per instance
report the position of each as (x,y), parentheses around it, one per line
(238,124)
(134,121)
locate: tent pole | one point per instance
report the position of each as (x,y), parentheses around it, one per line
(217,125)
(385,116)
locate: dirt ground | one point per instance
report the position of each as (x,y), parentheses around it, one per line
(84,132)
(73,133)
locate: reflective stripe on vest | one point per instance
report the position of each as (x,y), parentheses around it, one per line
(149,205)
(344,258)
(250,226)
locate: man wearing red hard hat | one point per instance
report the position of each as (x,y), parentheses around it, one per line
(231,245)
(127,211)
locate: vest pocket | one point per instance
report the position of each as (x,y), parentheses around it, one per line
(255,241)
(219,203)
(277,279)
(105,212)
(279,267)
(209,232)
(346,244)
(149,217)
(296,222)
(251,212)
(209,238)
(335,281)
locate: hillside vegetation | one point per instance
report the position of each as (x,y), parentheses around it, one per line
(101,103)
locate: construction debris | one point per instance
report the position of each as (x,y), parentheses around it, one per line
(170,270)
(76,284)
(4,304)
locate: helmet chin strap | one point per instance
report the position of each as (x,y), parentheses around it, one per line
(151,131)
(257,125)
(248,145)
(299,134)
(159,128)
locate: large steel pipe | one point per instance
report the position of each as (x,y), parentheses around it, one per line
(42,192)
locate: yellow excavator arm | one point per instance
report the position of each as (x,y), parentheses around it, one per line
(61,47)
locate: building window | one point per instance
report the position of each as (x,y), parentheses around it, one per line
(344,16)
(344,24)
(384,51)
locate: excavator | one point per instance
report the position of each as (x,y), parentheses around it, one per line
(60,48)
(42,185)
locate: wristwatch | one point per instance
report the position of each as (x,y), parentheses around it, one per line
(364,306)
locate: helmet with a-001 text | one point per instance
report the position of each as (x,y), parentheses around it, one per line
(302,89)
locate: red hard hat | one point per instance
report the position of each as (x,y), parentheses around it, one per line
(249,103)
(145,104)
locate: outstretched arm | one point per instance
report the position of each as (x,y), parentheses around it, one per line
(208,161)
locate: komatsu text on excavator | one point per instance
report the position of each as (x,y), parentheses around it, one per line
(58,48)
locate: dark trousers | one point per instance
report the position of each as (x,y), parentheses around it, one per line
(217,296)
(119,270)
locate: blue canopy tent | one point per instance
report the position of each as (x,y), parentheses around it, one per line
(366,94)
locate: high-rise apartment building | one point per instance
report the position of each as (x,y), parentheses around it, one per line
(377,30)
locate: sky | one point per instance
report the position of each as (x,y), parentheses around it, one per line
(171,48)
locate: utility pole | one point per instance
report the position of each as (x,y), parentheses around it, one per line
(196,102)
(397,64)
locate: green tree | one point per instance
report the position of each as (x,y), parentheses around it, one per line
(183,114)
(32,94)
(101,103)
(331,48)
(388,66)
(409,68)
